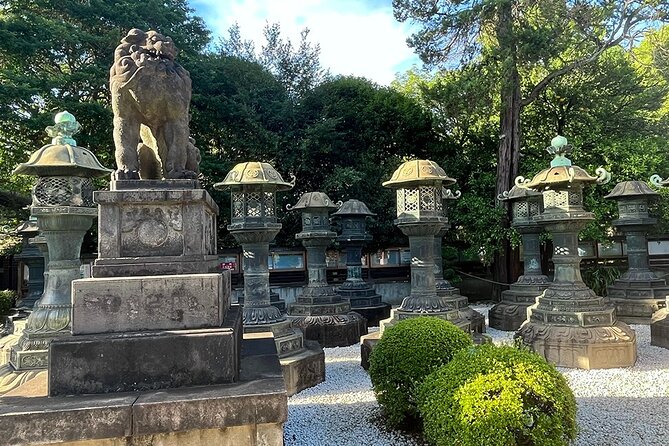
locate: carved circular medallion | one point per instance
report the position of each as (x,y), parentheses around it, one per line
(152,233)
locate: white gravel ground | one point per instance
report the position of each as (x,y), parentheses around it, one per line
(626,406)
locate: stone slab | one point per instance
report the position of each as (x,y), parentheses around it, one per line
(367,344)
(171,302)
(105,363)
(51,420)
(250,412)
(659,329)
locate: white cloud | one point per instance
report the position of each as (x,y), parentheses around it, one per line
(356,37)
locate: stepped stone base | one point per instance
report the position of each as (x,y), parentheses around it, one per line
(466,315)
(250,412)
(659,329)
(511,312)
(582,347)
(367,344)
(635,310)
(337,330)
(138,361)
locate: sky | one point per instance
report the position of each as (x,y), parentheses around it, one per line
(357,37)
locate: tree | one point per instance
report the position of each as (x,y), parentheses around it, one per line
(515,36)
(351,136)
(298,69)
(56,56)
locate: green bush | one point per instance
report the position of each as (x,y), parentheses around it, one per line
(497,396)
(7,300)
(406,353)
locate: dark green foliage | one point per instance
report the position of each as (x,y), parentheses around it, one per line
(406,353)
(7,301)
(599,277)
(494,396)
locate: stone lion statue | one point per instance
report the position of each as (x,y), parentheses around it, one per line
(150,99)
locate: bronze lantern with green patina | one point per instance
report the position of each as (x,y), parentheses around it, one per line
(418,186)
(253,186)
(569,324)
(62,202)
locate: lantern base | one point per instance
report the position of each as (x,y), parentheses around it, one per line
(467,315)
(637,300)
(582,347)
(332,330)
(511,312)
(366,302)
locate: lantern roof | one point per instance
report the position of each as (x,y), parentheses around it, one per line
(353,207)
(255,173)
(518,193)
(626,189)
(417,173)
(313,200)
(63,157)
(562,171)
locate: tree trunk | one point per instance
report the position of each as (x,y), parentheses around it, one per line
(508,153)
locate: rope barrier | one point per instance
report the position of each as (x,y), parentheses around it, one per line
(480,278)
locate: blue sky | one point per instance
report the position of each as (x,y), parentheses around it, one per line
(357,37)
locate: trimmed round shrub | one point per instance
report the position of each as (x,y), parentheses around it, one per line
(406,353)
(497,396)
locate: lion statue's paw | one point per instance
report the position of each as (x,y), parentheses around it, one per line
(181,175)
(122,174)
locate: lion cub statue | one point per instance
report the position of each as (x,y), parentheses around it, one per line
(150,99)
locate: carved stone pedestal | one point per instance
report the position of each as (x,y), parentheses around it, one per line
(569,325)
(659,328)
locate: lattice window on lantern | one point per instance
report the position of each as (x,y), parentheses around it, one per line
(549,199)
(440,205)
(237,205)
(562,199)
(575,198)
(53,191)
(521,210)
(427,200)
(411,200)
(561,251)
(253,204)
(86,188)
(534,208)
(269,204)
(400,202)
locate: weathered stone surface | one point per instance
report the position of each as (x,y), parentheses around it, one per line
(51,420)
(659,329)
(333,330)
(305,369)
(146,361)
(141,227)
(367,344)
(149,303)
(248,413)
(582,347)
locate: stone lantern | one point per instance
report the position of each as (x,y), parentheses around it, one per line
(254,224)
(569,324)
(33,259)
(511,312)
(659,327)
(63,205)
(420,216)
(445,290)
(364,299)
(322,313)
(638,292)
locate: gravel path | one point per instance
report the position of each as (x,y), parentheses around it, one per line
(625,406)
